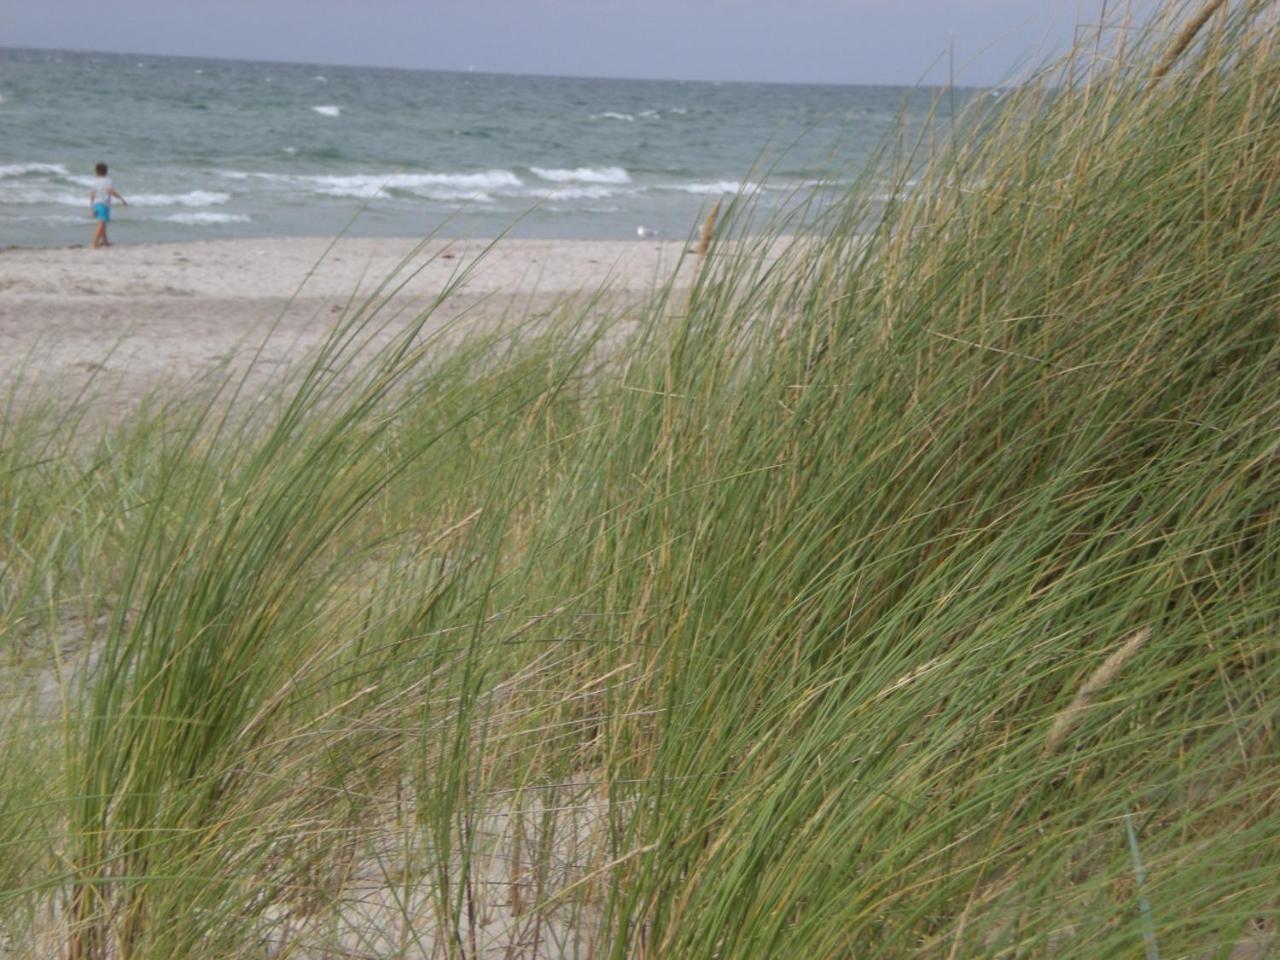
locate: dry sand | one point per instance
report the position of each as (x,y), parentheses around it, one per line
(135,318)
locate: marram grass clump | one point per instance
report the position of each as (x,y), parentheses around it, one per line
(912,592)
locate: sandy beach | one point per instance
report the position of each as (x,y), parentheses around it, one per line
(134,318)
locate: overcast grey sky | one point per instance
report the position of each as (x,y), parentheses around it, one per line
(819,41)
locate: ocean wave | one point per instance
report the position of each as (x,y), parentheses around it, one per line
(453,196)
(432,186)
(12,193)
(328,111)
(484,180)
(613,115)
(53,218)
(16,194)
(24,169)
(196,198)
(202,219)
(718,187)
(583,175)
(573,193)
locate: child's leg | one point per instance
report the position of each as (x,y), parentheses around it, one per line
(102,213)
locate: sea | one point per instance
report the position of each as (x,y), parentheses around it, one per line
(207,149)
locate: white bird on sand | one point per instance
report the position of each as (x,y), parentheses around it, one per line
(645,232)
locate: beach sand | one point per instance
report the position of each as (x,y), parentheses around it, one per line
(132,320)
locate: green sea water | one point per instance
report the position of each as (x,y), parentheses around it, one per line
(219,148)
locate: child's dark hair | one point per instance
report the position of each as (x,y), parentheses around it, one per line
(100,169)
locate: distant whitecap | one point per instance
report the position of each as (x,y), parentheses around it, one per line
(196,198)
(572,192)
(328,111)
(22,169)
(715,188)
(615,175)
(432,186)
(205,219)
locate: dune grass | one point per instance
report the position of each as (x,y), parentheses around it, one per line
(912,592)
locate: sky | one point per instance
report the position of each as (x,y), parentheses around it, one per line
(800,41)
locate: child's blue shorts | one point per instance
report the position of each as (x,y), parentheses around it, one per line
(102,212)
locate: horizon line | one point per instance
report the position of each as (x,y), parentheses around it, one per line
(490,73)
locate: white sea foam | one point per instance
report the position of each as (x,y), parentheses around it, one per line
(203,219)
(196,198)
(711,189)
(328,111)
(574,193)
(613,115)
(649,114)
(47,218)
(453,196)
(320,78)
(485,180)
(583,175)
(14,193)
(433,186)
(18,193)
(22,169)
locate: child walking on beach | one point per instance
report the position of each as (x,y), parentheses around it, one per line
(100,195)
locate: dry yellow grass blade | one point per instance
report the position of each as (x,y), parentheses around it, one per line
(1097,681)
(708,230)
(1183,40)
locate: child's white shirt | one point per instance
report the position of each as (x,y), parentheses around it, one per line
(101,190)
